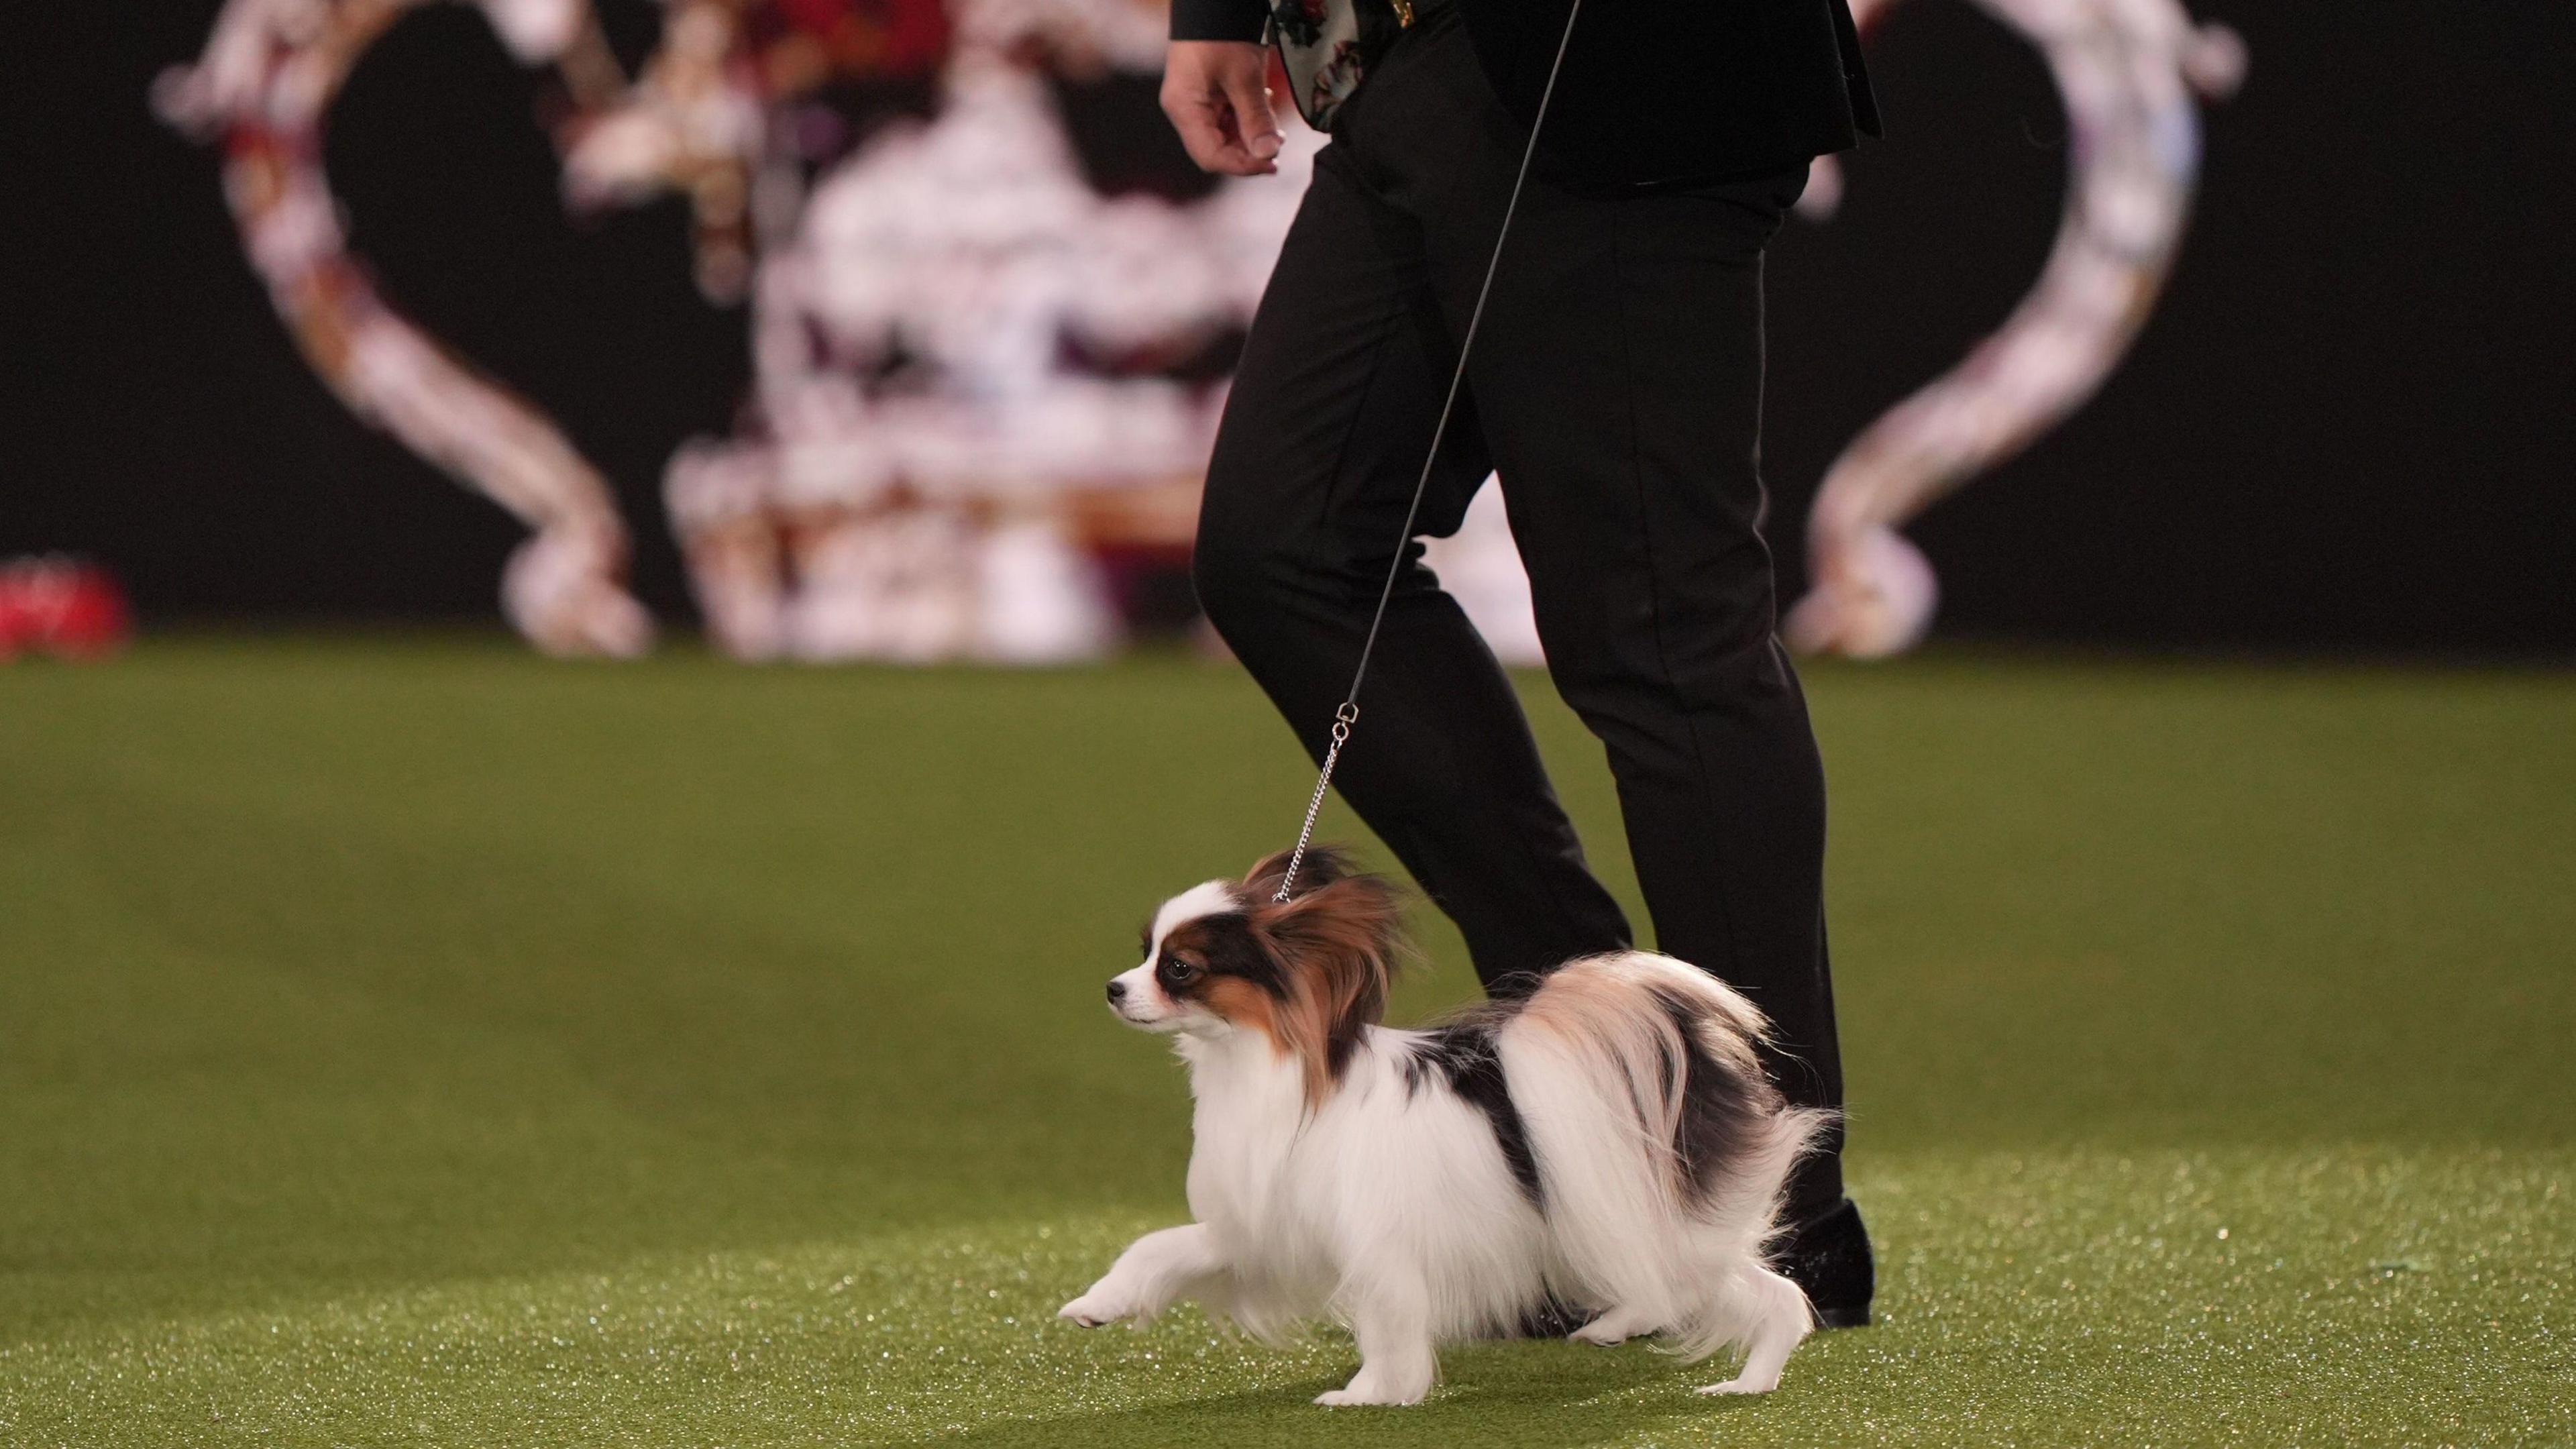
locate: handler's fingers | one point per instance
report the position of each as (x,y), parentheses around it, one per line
(1217,95)
(1201,127)
(1205,123)
(1247,89)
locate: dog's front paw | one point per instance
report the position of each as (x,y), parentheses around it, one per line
(1741,1386)
(1093,1309)
(1347,1398)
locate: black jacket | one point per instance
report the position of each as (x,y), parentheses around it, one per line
(1653,90)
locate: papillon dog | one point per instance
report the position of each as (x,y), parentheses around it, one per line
(1606,1144)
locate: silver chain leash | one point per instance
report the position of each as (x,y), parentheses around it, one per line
(1343,719)
(1348,713)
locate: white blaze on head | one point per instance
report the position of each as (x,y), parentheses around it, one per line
(1215,898)
(1139,999)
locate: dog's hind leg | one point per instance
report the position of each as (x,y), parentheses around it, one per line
(1391,1318)
(1157,1270)
(1614,1327)
(1781,1318)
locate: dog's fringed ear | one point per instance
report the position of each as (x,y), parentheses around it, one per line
(1338,946)
(1324,864)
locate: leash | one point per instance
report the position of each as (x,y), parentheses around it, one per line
(1348,714)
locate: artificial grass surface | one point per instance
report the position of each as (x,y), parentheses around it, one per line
(422,1044)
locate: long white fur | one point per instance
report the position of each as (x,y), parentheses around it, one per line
(1397,1214)
(1595,1066)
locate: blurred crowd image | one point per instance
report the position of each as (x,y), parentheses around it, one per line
(992,310)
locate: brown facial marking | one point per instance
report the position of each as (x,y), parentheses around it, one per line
(1213,952)
(1193,942)
(1240,1002)
(1311,974)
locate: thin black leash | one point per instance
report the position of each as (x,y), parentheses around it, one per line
(1349,712)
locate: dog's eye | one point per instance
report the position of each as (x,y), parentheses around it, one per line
(1176,972)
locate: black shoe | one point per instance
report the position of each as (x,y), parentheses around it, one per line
(1828,1256)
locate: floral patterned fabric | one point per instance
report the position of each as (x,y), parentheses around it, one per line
(1327,45)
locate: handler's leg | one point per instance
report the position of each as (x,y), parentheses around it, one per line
(1323,440)
(1620,379)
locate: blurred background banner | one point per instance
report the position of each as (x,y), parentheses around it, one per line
(898,328)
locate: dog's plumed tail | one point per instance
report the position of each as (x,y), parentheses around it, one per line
(1661,1146)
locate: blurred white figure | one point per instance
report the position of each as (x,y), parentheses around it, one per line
(2128,72)
(1039,598)
(970,249)
(915,485)
(922,429)
(719,497)
(263,87)
(1480,566)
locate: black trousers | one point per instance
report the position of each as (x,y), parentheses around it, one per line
(1616,385)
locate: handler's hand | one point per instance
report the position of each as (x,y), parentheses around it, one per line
(1217,93)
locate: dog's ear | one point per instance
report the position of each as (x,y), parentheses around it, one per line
(1338,946)
(1324,864)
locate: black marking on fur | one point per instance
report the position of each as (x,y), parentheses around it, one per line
(1465,1055)
(1724,1107)
(1323,865)
(1227,942)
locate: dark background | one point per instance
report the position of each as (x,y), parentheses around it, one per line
(2347,428)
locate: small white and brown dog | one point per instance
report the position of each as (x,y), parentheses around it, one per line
(1607,1140)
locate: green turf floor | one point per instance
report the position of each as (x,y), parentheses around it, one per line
(412,1043)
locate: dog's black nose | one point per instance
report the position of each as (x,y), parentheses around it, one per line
(1117,991)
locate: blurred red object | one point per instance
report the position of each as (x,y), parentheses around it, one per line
(64,607)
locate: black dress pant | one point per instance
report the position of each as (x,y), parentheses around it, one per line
(1616,385)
